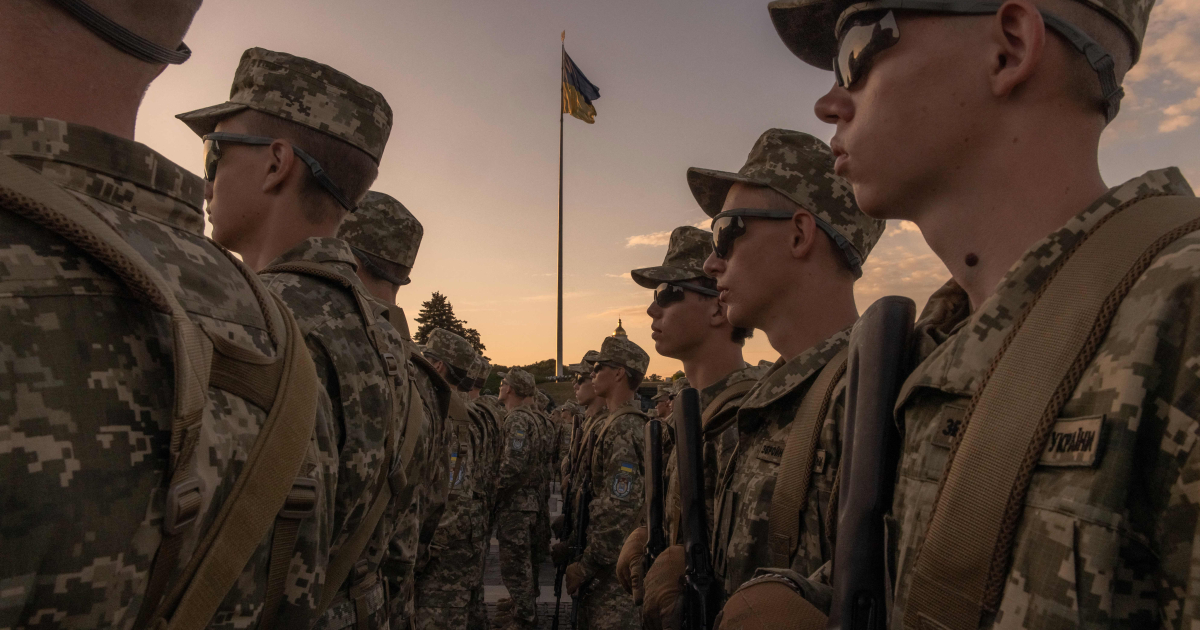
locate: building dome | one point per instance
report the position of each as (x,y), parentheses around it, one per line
(619,332)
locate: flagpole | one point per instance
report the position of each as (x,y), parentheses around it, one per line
(561,63)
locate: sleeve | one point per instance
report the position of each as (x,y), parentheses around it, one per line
(617,493)
(517,445)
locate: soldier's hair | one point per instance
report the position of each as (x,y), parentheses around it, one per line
(633,378)
(1082,84)
(739,334)
(772,199)
(348,166)
(371,261)
(454,376)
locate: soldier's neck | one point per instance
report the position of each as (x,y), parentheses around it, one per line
(596,406)
(713,363)
(617,400)
(284,228)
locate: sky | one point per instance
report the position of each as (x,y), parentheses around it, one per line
(474,86)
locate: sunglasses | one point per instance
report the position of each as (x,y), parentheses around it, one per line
(729,225)
(212,155)
(668,293)
(868,29)
(600,365)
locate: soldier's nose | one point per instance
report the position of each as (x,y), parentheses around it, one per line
(835,106)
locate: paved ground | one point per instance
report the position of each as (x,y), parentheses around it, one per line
(493,586)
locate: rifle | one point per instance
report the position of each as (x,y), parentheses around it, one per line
(879,360)
(579,541)
(701,596)
(565,533)
(656,541)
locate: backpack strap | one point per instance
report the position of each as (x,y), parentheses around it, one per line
(795,470)
(719,408)
(961,567)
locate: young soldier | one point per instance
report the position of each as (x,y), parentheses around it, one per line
(293,150)
(997,165)
(785,229)
(689,324)
(111,475)
(385,238)
(614,465)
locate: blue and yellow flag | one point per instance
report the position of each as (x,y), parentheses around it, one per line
(577,92)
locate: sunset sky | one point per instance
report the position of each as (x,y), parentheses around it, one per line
(474,85)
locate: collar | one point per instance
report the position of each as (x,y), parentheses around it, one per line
(320,249)
(786,376)
(956,347)
(745,373)
(108,168)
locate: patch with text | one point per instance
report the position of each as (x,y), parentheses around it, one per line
(948,424)
(771,451)
(1073,442)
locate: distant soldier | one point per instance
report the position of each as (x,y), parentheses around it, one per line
(128,435)
(385,238)
(520,488)
(662,401)
(490,414)
(615,467)
(293,150)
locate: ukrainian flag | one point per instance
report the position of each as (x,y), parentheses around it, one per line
(577,92)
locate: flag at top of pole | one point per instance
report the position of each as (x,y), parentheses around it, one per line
(577,92)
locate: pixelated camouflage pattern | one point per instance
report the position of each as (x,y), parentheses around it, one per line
(305,92)
(799,167)
(451,348)
(747,483)
(607,606)
(383,227)
(623,352)
(1107,545)
(492,413)
(88,371)
(520,474)
(521,487)
(687,250)
(369,405)
(520,381)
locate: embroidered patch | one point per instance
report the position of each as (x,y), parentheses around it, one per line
(948,424)
(819,462)
(771,451)
(1073,442)
(622,484)
(627,467)
(460,473)
(518,441)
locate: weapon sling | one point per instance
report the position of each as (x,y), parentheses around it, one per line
(961,567)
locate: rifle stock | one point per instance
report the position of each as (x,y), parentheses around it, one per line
(656,540)
(560,570)
(879,360)
(579,538)
(701,597)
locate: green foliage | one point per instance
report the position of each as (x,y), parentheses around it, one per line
(654,378)
(542,371)
(437,312)
(677,375)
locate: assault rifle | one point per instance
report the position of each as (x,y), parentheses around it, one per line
(560,571)
(656,540)
(579,538)
(879,360)
(701,596)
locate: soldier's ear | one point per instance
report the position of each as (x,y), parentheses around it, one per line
(1016,41)
(280,167)
(803,234)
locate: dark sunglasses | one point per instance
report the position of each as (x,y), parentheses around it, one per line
(729,225)
(212,155)
(668,293)
(871,29)
(600,365)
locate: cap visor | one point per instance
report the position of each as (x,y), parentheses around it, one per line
(710,187)
(204,121)
(806,27)
(651,277)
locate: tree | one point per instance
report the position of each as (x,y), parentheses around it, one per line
(437,312)
(654,378)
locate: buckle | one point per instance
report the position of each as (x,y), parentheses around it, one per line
(393,367)
(301,501)
(182,506)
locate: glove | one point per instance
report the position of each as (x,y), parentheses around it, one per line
(502,619)
(771,601)
(660,606)
(504,604)
(631,554)
(576,577)
(556,526)
(560,553)
(636,581)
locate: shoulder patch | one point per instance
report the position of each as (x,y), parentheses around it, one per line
(1073,442)
(948,424)
(771,451)
(622,483)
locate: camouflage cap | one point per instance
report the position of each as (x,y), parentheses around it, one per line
(585,364)
(305,92)
(520,381)
(664,391)
(450,348)
(481,375)
(623,352)
(799,167)
(686,252)
(383,227)
(543,400)
(808,26)
(679,385)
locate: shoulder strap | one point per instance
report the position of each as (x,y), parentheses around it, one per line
(961,567)
(795,470)
(718,404)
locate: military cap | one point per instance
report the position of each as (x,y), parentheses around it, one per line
(808,26)
(799,167)
(679,385)
(542,399)
(383,227)
(450,348)
(520,381)
(622,352)
(305,92)
(664,391)
(585,364)
(687,250)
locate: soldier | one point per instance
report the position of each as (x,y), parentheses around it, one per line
(520,488)
(593,408)
(116,464)
(1101,517)
(662,402)
(785,229)
(385,237)
(689,324)
(293,150)
(615,466)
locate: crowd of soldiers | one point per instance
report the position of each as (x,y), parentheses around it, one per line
(196,439)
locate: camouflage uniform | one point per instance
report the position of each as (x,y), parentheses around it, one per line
(490,415)
(616,465)
(357,352)
(89,401)
(799,167)
(520,486)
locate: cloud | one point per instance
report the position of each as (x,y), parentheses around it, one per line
(654,239)
(901,264)
(1168,73)
(546,297)
(1180,115)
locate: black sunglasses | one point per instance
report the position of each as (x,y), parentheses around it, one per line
(212,155)
(668,293)
(868,29)
(600,365)
(729,225)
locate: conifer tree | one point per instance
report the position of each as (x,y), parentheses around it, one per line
(437,312)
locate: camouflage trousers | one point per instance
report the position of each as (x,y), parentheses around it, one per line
(516,533)
(607,606)
(445,587)
(372,598)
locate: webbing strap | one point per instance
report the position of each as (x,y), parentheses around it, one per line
(341,563)
(961,567)
(795,469)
